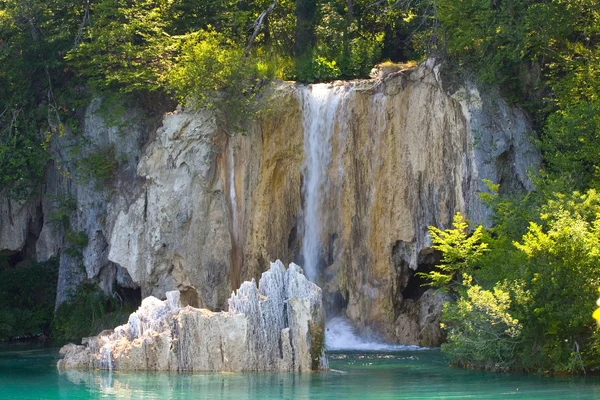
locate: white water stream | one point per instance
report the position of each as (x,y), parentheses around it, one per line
(319,106)
(234,214)
(340,335)
(322,108)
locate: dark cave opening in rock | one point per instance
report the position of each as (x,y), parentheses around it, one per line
(11,259)
(131,296)
(427,259)
(334,303)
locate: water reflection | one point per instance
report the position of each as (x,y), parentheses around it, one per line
(148,385)
(31,374)
(362,375)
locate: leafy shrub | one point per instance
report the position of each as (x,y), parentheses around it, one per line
(77,241)
(363,55)
(125,47)
(64,205)
(562,271)
(571,142)
(27,295)
(98,166)
(481,331)
(213,72)
(316,69)
(22,161)
(553,271)
(460,252)
(88,312)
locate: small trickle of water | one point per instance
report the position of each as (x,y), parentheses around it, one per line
(106,357)
(340,335)
(232,192)
(319,106)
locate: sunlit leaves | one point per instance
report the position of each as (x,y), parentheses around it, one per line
(460,252)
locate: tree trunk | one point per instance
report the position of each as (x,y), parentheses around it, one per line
(306,15)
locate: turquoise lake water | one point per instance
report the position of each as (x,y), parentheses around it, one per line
(29,372)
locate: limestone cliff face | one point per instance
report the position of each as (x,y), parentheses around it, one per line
(341,178)
(176,234)
(69,204)
(404,154)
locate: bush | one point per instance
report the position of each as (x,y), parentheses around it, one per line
(460,252)
(98,166)
(213,72)
(363,55)
(88,312)
(316,69)
(562,271)
(541,319)
(481,331)
(27,295)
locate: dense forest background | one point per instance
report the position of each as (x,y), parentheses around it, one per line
(524,289)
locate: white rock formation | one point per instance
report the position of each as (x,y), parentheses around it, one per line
(277,326)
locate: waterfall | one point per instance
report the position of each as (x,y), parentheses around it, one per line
(234,216)
(322,108)
(319,107)
(229,177)
(106,361)
(340,335)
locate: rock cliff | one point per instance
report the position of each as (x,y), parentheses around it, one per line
(342,178)
(277,326)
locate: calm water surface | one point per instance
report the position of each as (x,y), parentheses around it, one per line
(29,372)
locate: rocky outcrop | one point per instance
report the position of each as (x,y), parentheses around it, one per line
(176,235)
(73,206)
(277,326)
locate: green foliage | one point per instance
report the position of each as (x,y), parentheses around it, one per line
(562,274)
(22,162)
(212,71)
(88,312)
(487,36)
(363,54)
(460,252)
(61,219)
(33,35)
(64,205)
(551,275)
(571,143)
(124,47)
(352,42)
(76,241)
(27,295)
(480,329)
(316,69)
(98,166)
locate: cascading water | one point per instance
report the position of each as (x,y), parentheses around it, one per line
(340,335)
(229,170)
(322,108)
(232,197)
(106,361)
(319,105)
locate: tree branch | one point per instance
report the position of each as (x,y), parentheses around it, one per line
(258,24)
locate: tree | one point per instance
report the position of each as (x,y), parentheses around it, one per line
(460,253)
